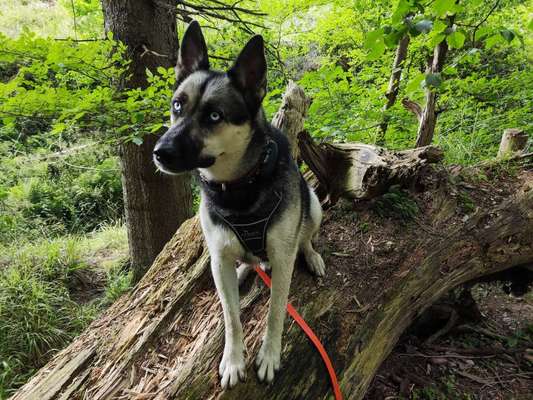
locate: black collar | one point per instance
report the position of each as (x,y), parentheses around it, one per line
(263,169)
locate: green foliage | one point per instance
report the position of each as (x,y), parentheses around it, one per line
(66,89)
(119,281)
(37,313)
(484,88)
(70,193)
(396,203)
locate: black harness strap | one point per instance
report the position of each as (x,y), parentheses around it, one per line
(252,233)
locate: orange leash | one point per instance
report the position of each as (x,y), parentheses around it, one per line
(309,332)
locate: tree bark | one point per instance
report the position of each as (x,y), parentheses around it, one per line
(428,119)
(291,115)
(412,106)
(155,204)
(164,339)
(394,85)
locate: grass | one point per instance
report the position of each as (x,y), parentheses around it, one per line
(37,313)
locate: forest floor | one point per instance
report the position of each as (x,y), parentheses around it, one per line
(483,360)
(488,357)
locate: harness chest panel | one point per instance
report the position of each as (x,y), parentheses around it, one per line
(251,230)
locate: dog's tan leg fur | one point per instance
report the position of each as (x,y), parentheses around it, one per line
(310,230)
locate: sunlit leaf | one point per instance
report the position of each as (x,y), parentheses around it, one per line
(415,83)
(456,40)
(441,8)
(493,40)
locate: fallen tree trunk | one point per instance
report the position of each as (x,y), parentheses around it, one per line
(361,171)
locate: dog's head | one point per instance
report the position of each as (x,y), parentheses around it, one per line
(212,112)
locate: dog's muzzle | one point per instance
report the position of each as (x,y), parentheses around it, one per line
(177,153)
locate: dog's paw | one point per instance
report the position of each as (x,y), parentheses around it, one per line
(267,362)
(315,263)
(232,369)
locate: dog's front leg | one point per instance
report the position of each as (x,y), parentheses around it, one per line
(232,367)
(268,359)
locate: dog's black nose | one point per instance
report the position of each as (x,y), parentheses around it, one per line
(164,154)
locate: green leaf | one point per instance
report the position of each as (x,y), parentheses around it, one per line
(493,40)
(137,140)
(456,40)
(59,128)
(441,8)
(375,43)
(507,34)
(439,26)
(435,40)
(415,83)
(161,70)
(372,38)
(433,80)
(155,127)
(483,32)
(149,73)
(404,6)
(424,26)
(137,117)
(80,115)
(392,38)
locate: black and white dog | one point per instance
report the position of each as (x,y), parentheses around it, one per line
(255,206)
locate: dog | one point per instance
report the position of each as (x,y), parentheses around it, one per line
(255,205)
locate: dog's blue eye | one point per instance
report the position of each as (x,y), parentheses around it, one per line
(176,105)
(214,116)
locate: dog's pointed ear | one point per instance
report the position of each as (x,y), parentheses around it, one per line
(193,52)
(250,69)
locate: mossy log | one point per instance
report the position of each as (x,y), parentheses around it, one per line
(164,339)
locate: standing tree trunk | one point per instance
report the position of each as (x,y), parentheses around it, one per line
(394,85)
(428,118)
(155,204)
(291,115)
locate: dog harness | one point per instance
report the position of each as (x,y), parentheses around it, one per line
(251,230)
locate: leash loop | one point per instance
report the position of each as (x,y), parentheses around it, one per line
(309,332)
